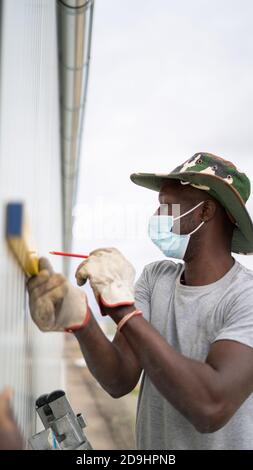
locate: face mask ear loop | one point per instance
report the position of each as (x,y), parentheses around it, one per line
(195,230)
(188,212)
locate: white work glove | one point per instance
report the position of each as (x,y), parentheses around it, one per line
(56,305)
(111,277)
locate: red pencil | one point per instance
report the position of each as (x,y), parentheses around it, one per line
(61,253)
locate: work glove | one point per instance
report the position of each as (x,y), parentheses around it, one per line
(56,305)
(111,277)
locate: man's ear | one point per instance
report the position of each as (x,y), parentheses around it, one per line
(208,210)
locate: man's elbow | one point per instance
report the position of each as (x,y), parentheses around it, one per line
(211,418)
(118,390)
(117,393)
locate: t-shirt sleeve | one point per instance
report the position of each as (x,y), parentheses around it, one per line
(238,323)
(142,294)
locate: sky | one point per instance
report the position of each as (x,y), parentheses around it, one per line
(167,79)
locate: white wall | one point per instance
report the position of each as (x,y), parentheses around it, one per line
(30,361)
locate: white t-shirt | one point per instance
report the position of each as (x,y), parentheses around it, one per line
(191,318)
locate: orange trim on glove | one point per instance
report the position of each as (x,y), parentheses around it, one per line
(102,302)
(82,325)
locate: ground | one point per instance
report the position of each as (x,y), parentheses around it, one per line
(110,422)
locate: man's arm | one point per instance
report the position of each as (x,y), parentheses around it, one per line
(55,305)
(207,394)
(113,364)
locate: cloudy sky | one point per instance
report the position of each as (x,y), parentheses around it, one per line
(168,79)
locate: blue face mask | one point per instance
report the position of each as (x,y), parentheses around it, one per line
(171,244)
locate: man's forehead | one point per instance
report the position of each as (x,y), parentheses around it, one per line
(169,199)
(171,191)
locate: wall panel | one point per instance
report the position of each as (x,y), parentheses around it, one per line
(30,171)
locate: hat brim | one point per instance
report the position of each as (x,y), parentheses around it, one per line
(224,192)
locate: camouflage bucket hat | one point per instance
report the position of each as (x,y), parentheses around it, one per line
(222,180)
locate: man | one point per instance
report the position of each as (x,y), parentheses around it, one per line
(189,328)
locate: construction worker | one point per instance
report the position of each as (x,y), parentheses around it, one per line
(188,327)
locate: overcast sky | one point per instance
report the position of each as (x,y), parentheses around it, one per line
(168,79)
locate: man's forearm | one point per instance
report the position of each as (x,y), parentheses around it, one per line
(189,385)
(102,357)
